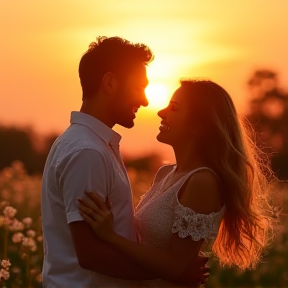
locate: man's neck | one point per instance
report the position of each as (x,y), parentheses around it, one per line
(93,108)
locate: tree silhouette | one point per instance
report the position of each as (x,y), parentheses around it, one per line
(19,144)
(269,116)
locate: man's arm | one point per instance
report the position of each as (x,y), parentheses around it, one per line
(95,255)
(82,171)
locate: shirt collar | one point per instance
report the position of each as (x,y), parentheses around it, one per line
(102,130)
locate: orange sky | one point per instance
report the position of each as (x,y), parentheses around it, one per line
(42,42)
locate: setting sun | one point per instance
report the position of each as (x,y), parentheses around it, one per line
(157,95)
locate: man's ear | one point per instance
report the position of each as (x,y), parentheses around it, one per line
(109,82)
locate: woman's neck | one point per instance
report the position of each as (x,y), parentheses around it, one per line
(188,158)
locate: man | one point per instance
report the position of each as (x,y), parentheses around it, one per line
(86,158)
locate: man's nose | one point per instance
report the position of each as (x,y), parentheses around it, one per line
(144,101)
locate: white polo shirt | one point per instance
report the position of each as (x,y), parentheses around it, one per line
(81,159)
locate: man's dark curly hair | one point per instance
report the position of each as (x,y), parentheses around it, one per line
(112,54)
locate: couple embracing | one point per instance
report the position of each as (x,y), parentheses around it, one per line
(213,196)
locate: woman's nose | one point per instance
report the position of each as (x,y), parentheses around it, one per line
(161,113)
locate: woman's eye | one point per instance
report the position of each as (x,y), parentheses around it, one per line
(173,108)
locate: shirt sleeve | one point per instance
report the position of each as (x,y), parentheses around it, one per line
(84,170)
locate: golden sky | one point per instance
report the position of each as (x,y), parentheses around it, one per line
(42,42)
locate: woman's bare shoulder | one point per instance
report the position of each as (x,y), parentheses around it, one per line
(202,192)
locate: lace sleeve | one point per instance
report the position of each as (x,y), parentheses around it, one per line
(198,226)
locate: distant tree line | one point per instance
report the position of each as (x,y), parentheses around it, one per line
(268,114)
(23,144)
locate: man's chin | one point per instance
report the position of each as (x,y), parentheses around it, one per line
(127,124)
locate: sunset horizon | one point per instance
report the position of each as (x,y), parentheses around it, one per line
(224,42)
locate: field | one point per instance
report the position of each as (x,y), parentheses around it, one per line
(21,237)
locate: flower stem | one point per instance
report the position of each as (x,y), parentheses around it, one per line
(6,232)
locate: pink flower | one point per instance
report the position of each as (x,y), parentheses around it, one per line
(27,221)
(4,274)
(17,237)
(29,243)
(16,226)
(40,238)
(31,233)
(5,264)
(9,211)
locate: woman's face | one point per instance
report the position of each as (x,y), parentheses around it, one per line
(176,125)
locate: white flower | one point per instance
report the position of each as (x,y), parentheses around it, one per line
(16,226)
(9,211)
(5,264)
(31,233)
(17,237)
(29,243)
(4,274)
(27,221)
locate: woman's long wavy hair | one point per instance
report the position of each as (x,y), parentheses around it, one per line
(226,143)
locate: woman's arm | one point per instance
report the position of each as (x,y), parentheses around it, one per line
(169,264)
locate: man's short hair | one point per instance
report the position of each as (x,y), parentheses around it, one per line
(112,54)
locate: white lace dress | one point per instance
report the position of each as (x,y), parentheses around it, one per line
(159,214)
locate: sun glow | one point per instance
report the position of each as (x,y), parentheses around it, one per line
(157,95)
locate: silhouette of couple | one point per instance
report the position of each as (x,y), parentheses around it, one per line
(213,196)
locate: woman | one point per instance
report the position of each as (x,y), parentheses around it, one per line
(216,192)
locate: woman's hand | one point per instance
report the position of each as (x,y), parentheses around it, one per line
(98,215)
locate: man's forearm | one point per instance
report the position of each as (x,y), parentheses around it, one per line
(97,256)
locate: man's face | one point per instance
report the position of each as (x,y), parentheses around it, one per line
(129,96)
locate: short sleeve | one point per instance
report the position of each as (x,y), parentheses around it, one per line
(197,226)
(83,170)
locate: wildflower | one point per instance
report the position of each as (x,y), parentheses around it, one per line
(15,270)
(39,278)
(40,238)
(5,264)
(17,237)
(18,166)
(31,233)
(16,226)
(4,274)
(29,243)
(23,255)
(3,203)
(9,211)
(7,173)
(27,221)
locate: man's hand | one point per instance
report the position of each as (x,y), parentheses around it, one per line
(196,273)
